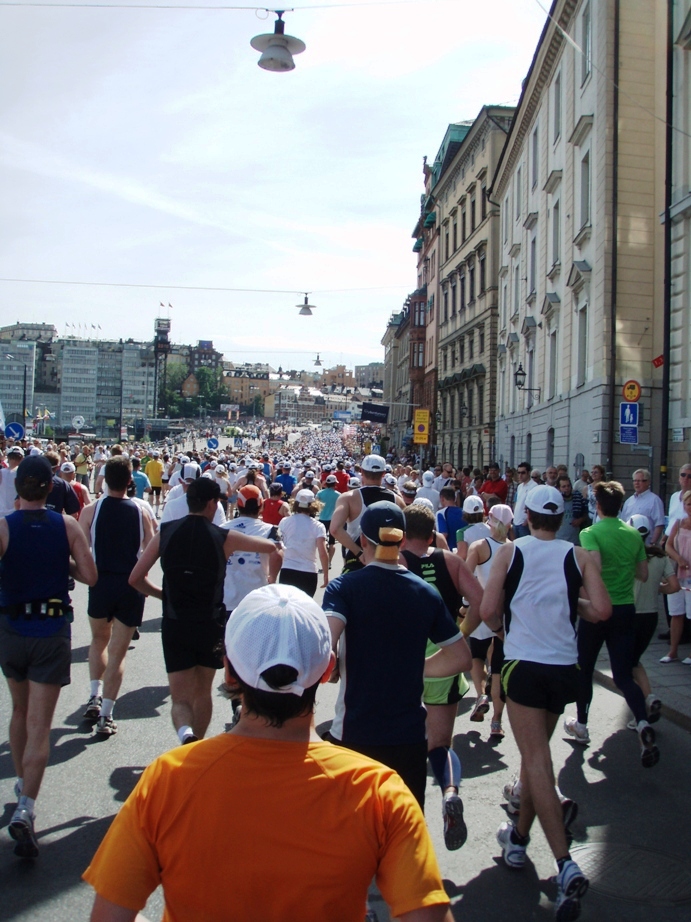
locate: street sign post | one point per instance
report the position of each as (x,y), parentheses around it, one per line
(14,431)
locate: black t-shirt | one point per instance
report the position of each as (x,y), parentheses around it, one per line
(62,497)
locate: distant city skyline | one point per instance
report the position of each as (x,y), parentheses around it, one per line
(145,149)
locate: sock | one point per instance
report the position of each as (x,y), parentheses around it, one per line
(518,839)
(446,767)
(96,688)
(107,707)
(27,803)
(19,786)
(562,861)
(183,732)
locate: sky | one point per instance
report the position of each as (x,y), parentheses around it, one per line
(145,149)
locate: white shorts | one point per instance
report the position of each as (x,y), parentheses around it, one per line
(679,603)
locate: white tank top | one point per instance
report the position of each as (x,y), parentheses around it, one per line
(482,631)
(540,602)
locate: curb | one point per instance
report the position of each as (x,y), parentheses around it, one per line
(672,714)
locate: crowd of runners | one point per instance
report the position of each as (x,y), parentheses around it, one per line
(504,585)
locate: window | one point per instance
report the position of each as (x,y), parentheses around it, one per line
(471,347)
(529,447)
(455,235)
(481,341)
(472,215)
(504,303)
(433,264)
(463,231)
(586,42)
(419,314)
(453,356)
(461,351)
(552,388)
(452,411)
(506,219)
(556,234)
(462,303)
(446,243)
(585,190)
(536,164)
(483,203)
(518,194)
(446,305)
(582,364)
(557,106)
(470,405)
(481,280)
(445,360)
(516,288)
(418,355)
(480,402)
(471,283)
(533,265)
(453,300)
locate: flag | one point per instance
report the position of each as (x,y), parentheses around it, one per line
(170,306)
(99,326)
(93,326)
(161,304)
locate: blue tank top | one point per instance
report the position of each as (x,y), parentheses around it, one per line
(35,566)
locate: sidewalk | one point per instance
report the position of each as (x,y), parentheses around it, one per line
(672,682)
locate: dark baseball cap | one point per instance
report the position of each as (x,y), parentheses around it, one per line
(35,467)
(383,523)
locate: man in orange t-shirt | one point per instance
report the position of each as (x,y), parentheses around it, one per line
(270,794)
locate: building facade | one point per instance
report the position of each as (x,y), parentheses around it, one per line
(467,290)
(680,268)
(580,280)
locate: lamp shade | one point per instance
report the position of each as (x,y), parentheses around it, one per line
(277,48)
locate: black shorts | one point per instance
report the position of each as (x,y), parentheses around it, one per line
(352,563)
(538,685)
(45,660)
(156,491)
(329,536)
(299,578)
(113,597)
(408,759)
(187,644)
(479,648)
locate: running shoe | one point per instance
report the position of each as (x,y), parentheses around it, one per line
(569,809)
(654,706)
(106,726)
(477,715)
(93,708)
(190,738)
(22,831)
(495,729)
(513,854)
(650,754)
(571,886)
(578,731)
(455,829)
(512,797)
(632,724)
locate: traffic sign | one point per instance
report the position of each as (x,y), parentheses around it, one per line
(14,431)
(628,414)
(78,422)
(628,435)
(632,391)
(421,427)
(212,443)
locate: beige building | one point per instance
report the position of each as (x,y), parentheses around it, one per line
(338,375)
(581,275)
(466,289)
(680,269)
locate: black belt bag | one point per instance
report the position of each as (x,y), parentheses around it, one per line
(39,610)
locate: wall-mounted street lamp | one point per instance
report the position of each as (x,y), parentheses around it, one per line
(519,377)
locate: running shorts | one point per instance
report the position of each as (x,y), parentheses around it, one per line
(538,685)
(448,690)
(187,644)
(45,660)
(113,597)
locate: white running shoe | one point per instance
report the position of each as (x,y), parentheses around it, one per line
(22,831)
(514,855)
(512,796)
(578,731)
(477,715)
(455,829)
(572,884)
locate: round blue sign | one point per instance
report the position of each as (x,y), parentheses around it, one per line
(212,443)
(14,431)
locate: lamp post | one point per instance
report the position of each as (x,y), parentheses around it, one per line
(519,377)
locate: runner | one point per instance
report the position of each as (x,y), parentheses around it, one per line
(536,580)
(304,539)
(193,553)
(40,550)
(117,531)
(328,497)
(447,573)
(154,470)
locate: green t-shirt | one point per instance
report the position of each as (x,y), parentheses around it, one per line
(621,548)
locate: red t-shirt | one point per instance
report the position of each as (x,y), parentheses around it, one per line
(499,488)
(343,481)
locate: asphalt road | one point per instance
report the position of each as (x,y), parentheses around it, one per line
(633,832)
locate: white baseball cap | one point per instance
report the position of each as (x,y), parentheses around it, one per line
(545,499)
(278,625)
(373,464)
(500,512)
(304,498)
(473,504)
